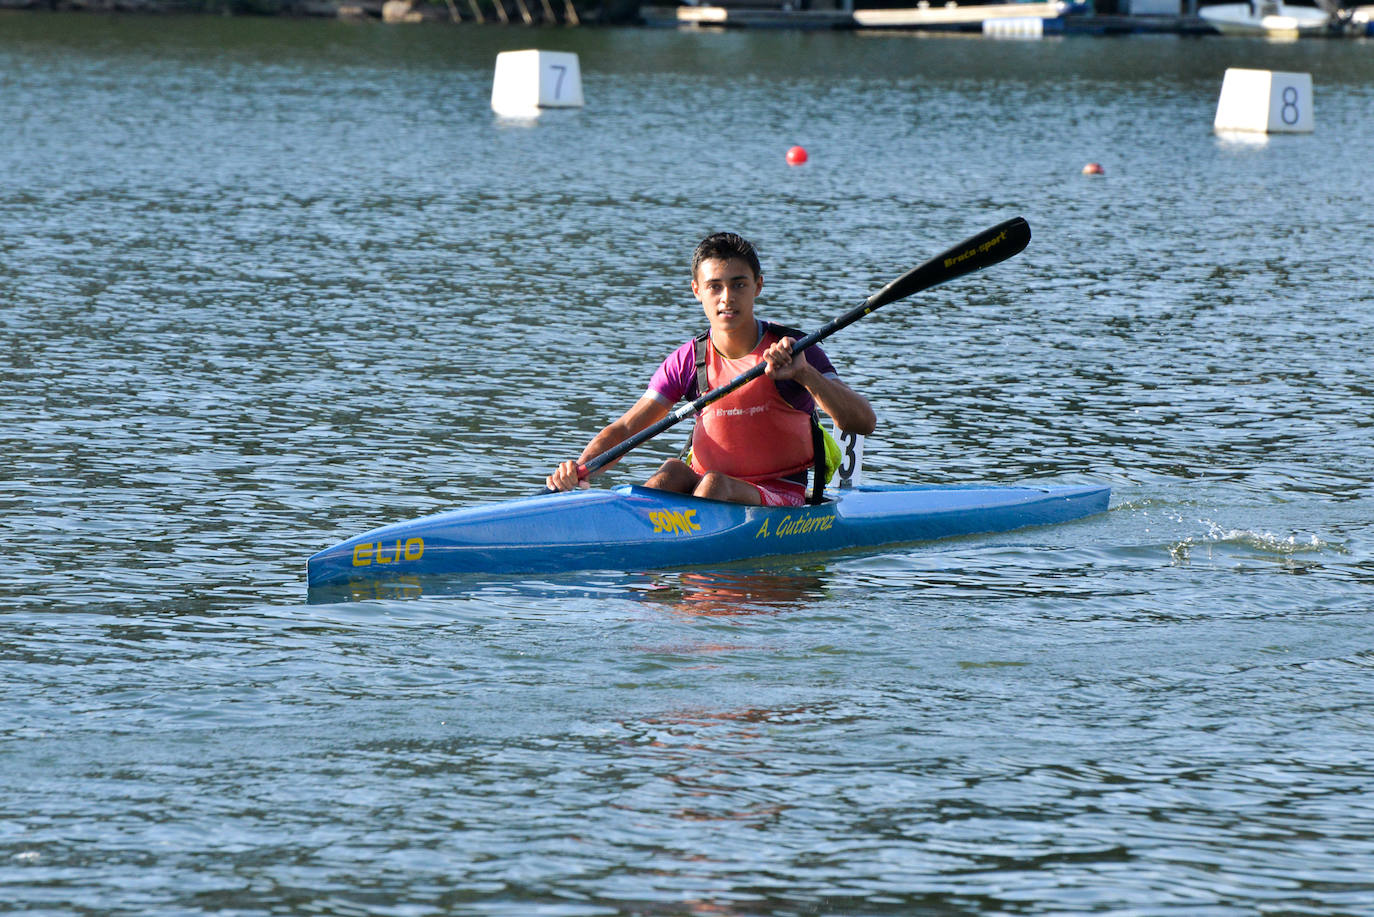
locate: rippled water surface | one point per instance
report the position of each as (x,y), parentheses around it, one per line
(265,285)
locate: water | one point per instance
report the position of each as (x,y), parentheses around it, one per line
(267,284)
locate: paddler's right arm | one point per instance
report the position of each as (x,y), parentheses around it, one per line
(647,410)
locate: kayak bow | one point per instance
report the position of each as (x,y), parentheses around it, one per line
(636,528)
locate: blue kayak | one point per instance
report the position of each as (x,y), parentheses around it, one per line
(636,528)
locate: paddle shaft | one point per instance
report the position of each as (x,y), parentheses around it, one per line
(974,253)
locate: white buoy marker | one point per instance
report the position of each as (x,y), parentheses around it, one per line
(1265,101)
(527,81)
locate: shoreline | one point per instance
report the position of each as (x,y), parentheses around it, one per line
(1008,20)
(516,12)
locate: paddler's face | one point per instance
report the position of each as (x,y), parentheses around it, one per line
(726,289)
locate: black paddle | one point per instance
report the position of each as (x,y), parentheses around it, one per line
(974,253)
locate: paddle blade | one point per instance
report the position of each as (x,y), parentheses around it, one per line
(973,254)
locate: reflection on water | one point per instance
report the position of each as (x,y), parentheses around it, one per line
(727,593)
(742,593)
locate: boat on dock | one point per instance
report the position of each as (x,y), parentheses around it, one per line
(1266,19)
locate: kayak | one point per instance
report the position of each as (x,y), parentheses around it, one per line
(630,527)
(633,528)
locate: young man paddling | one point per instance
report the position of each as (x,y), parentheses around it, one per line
(755,445)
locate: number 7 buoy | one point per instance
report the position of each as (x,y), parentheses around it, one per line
(527,81)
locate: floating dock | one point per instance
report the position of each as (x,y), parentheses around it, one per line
(1149,16)
(953,16)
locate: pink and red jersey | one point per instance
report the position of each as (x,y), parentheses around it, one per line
(758,432)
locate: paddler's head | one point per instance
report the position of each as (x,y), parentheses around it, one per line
(725,279)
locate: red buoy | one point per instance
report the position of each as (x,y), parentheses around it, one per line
(1092,168)
(796,156)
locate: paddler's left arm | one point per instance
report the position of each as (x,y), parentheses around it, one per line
(851,411)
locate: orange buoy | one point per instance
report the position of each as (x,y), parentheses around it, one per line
(796,156)
(1093,168)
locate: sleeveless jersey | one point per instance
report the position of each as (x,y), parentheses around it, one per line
(753,433)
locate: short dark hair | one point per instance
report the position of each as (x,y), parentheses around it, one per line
(724,246)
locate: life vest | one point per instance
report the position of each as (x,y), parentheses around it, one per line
(754,433)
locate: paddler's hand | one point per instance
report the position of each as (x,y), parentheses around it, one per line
(564,477)
(782,363)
